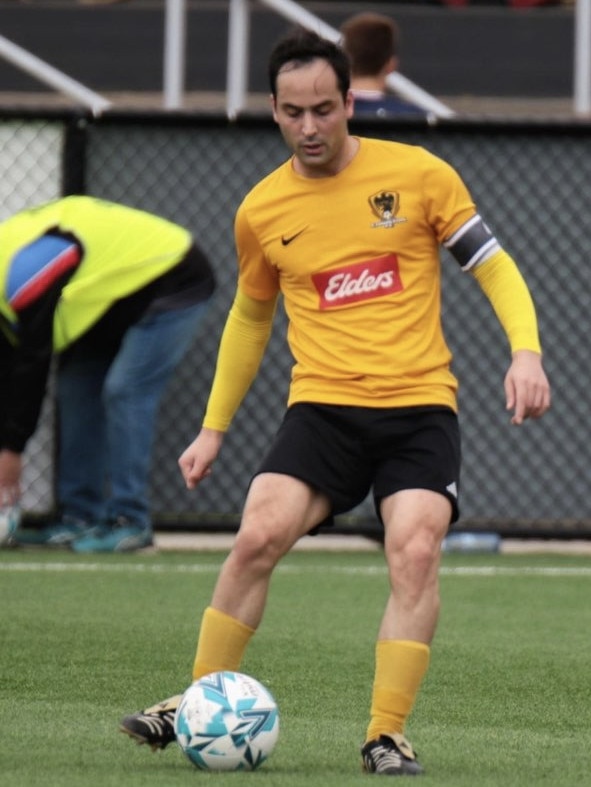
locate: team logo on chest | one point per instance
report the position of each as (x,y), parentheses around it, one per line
(362,281)
(385,205)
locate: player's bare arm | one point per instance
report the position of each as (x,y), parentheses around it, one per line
(196,460)
(527,389)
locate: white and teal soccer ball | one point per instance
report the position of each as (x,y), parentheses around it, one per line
(9,521)
(227,721)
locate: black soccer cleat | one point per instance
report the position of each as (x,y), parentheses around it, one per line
(155,725)
(390,755)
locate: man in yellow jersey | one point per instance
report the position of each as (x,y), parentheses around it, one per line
(117,294)
(348,231)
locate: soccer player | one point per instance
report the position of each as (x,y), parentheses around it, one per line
(116,294)
(348,231)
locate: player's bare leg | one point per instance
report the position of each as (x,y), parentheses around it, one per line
(416,522)
(278,511)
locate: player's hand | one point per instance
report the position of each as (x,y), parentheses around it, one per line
(195,462)
(10,477)
(527,389)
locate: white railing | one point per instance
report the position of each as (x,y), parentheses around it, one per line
(175,36)
(238,60)
(51,76)
(238,56)
(582,64)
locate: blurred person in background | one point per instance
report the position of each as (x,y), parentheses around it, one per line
(117,294)
(372,42)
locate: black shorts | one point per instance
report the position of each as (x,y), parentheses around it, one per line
(344,452)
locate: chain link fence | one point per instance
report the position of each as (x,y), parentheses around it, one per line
(532,183)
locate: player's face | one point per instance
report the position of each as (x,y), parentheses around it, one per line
(313,117)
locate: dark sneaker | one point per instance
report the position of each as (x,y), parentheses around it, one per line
(391,755)
(155,725)
(118,536)
(60,534)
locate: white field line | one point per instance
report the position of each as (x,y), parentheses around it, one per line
(209,568)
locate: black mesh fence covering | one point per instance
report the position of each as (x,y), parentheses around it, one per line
(532,183)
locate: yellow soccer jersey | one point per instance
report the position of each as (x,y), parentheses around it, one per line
(356,257)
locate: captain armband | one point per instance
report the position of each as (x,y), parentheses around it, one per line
(472,243)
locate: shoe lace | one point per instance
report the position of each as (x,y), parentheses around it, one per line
(161,723)
(385,756)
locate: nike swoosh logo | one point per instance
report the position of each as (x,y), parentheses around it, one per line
(286,241)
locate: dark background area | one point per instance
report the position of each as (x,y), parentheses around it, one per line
(478,49)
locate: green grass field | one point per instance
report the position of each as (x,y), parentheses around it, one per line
(507,700)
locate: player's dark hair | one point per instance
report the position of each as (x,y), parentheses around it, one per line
(302,46)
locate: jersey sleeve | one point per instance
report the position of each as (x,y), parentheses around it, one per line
(256,277)
(448,202)
(504,286)
(459,227)
(242,347)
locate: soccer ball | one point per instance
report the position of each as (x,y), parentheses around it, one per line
(227,721)
(9,521)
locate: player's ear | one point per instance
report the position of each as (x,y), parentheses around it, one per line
(350,103)
(273,106)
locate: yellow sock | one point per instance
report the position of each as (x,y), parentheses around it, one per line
(222,642)
(400,667)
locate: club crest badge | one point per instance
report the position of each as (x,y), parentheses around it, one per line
(385,205)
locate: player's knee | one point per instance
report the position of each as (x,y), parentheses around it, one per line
(415,557)
(259,547)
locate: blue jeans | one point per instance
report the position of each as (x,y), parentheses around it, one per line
(107,411)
